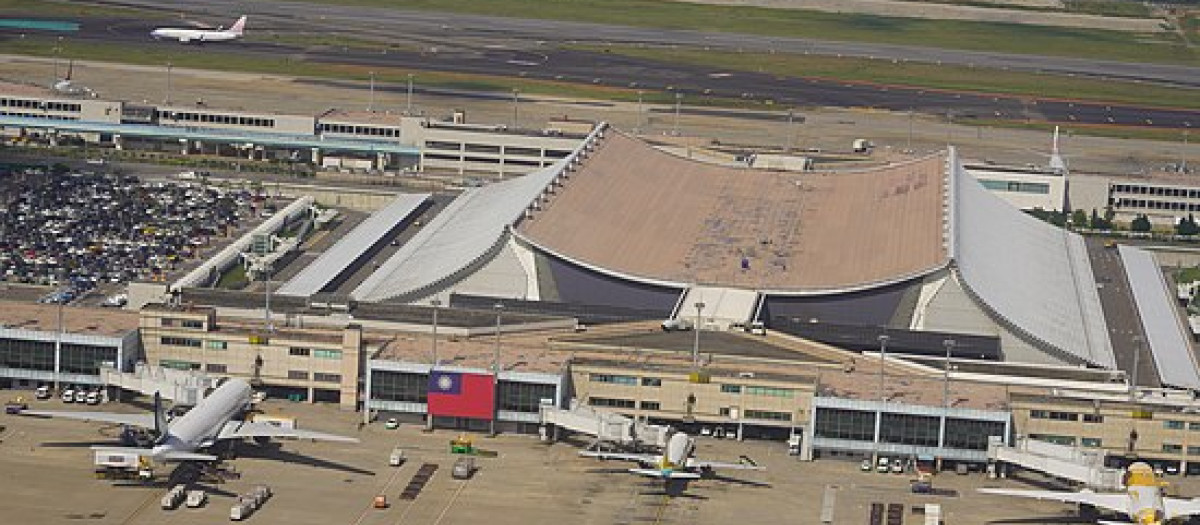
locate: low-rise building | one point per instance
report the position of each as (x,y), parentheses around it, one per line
(65,345)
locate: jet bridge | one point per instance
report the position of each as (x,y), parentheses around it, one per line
(606,427)
(1077,464)
(184,387)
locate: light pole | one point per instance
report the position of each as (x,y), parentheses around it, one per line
(883,341)
(516,93)
(58,336)
(496,372)
(168,101)
(949,344)
(436,303)
(678,101)
(791,134)
(371,102)
(408,104)
(696,342)
(637,128)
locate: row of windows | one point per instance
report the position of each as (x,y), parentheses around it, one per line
(1171,448)
(35,115)
(1172,424)
(613,378)
(232,120)
(38,104)
(768,415)
(1039,188)
(180,341)
(651,405)
(492,148)
(770,391)
(525,397)
(297,351)
(1156,205)
(611,402)
(360,130)
(298,374)
(178,365)
(906,429)
(1065,416)
(1155,190)
(327,378)
(184,323)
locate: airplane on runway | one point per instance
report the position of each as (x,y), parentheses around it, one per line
(210,421)
(1143,500)
(200,36)
(675,463)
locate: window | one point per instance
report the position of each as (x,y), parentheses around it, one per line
(192,323)
(327,378)
(327,354)
(723,411)
(770,391)
(1057,440)
(525,397)
(841,423)
(1053,415)
(167,321)
(1193,426)
(651,405)
(216,345)
(610,402)
(297,374)
(1090,442)
(216,368)
(1171,448)
(614,379)
(767,415)
(908,429)
(178,365)
(399,386)
(180,341)
(1093,418)
(1173,425)
(1193,451)
(971,434)
(298,352)
(731,389)
(651,381)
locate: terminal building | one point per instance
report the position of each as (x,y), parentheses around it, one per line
(45,344)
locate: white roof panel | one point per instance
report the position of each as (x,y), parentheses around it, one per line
(1165,331)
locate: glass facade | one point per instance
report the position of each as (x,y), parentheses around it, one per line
(838,423)
(39,355)
(909,429)
(399,386)
(524,397)
(971,434)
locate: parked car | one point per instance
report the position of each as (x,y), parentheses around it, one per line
(463,468)
(397,457)
(81,396)
(392,424)
(93,397)
(43,392)
(897,466)
(883,465)
(866,465)
(68,395)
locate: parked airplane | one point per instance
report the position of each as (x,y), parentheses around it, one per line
(1143,500)
(676,461)
(200,36)
(210,421)
(65,86)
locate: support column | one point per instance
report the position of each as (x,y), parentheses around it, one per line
(117,142)
(316,156)
(381,161)
(183,147)
(53,136)
(311,395)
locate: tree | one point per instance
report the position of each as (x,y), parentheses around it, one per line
(1187,226)
(1141,224)
(1079,219)
(1100,223)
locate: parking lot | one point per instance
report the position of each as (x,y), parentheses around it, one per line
(77,230)
(48,479)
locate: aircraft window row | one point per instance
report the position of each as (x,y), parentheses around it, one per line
(360,130)
(1155,190)
(1157,205)
(210,118)
(39,104)
(35,115)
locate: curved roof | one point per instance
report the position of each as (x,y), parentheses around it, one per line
(1034,277)
(467,230)
(636,211)
(338,258)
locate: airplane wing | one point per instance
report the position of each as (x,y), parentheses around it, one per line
(1179,507)
(696,463)
(640,458)
(143,420)
(1113,502)
(251,429)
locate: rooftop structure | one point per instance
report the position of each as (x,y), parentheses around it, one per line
(104,322)
(645,214)
(525,352)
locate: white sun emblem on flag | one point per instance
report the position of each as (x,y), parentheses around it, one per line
(445,382)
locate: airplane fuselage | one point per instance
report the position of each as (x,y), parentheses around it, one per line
(195,35)
(200,426)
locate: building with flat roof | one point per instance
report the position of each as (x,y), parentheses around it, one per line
(49,344)
(1026,188)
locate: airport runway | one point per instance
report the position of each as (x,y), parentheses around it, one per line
(510,48)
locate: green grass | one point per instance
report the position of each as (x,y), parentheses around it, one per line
(951,34)
(1125,8)
(955,78)
(1187,275)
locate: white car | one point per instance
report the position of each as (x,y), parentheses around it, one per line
(81,396)
(68,395)
(42,392)
(865,466)
(93,398)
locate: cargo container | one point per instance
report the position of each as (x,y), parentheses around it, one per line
(196,498)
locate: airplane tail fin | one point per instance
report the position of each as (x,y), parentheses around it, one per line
(166,455)
(160,419)
(238,27)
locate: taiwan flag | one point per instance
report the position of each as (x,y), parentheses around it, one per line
(458,394)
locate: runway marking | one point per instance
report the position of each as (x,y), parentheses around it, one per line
(662,509)
(140,508)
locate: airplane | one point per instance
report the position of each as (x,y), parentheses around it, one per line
(1143,500)
(210,421)
(200,36)
(675,463)
(65,86)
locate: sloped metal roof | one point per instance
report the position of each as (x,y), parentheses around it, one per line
(1165,332)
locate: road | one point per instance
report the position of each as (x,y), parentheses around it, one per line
(464,49)
(1121,314)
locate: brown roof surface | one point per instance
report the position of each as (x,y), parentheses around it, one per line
(645,213)
(862,382)
(104,322)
